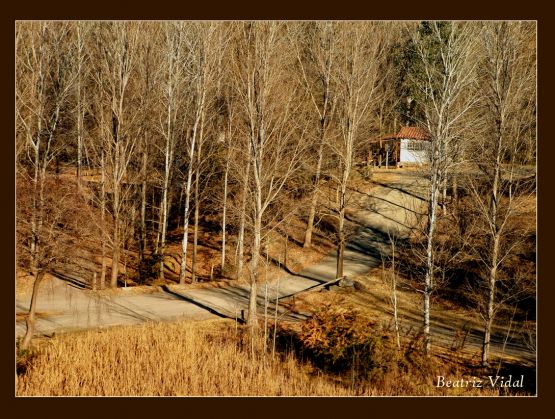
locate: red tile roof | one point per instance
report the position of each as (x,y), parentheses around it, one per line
(414,133)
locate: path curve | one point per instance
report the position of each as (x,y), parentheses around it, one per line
(390,208)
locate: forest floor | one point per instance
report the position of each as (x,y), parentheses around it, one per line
(389,205)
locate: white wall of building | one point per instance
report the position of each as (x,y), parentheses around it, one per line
(414,151)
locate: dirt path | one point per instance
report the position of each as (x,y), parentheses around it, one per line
(63,306)
(390,208)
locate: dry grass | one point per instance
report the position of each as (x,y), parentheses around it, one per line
(191,359)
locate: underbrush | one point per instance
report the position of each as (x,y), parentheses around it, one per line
(364,357)
(24,359)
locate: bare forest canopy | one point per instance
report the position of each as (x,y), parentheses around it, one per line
(131,135)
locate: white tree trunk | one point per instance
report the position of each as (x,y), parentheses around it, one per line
(224,215)
(183,271)
(242,221)
(430,237)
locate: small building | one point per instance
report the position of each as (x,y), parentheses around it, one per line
(409,146)
(415,145)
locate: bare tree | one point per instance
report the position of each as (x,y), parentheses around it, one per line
(274,145)
(203,44)
(117,49)
(240,250)
(205,164)
(229,134)
(508,87)
(316,53)
(170,130)
(393,284)
(444,51)
(81,61)
(357,78)
(45,79)
(151,70)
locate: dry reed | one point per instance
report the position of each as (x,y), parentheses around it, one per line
(177,359)
(188,359)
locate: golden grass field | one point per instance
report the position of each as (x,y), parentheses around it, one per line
(187,359)
(176,359)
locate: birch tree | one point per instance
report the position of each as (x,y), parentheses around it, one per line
(173,79)
(204,49)
(446,72)
(508,87)
(229,134)
(244,176)
(274,145)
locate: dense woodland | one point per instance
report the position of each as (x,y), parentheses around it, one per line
(128,133)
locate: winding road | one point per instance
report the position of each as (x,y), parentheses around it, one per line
(389,208)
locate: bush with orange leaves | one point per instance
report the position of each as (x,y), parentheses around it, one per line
(340,340)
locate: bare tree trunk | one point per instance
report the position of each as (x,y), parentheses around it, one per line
(35,216)
(495,240)
(195,233)
(103,221)
(357,78)
(117,62)
(40,177)
(183,271)
(491,301)
(164,204)
(252,320)
(224,214)
(30,321)
(42,155)
(158,229)
(115,254)
(197,197)
(116,216)
(341,211)
(80,111)
(188,185)
(393,287)
(142,242)
(241,235)
(314,200)
(430,236)
(444,194)
(273,155)
(340,244)
(395,311)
